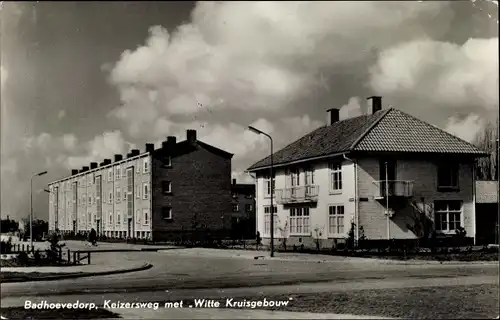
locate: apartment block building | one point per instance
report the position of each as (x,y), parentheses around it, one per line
(243,217)
(156,194)
(378,171)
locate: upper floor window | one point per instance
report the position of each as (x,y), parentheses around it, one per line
(138,192)
(294,177)
(309,176)
(335,176)
(448,176)
(110,175)
(248,207)
(166,186)
(167,161)
(146,165)
(236,208)
(167,213)
(145,213)
(447,214)
(110,200)
(267,185)
(118,194)
(267,209)
(336,219)
(145,191)
(118,173)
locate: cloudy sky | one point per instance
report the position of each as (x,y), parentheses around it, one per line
(82,81)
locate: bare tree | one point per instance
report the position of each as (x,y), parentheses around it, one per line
(486,140)
(316,234)
(422,225)
(284,234)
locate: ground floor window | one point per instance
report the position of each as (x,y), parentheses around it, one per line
(299,220)
(336,219)
(448,214)
(267,224)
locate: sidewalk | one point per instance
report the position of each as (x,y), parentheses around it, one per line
(216,313)
(306,257)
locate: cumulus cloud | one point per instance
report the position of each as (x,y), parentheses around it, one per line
(443,73)
(242,177)
(351,109)
(256,55)
(466,128)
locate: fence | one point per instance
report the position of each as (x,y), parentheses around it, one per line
(63,256)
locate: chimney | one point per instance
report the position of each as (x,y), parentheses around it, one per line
(118,157)
(93,165)
(74,171)
(234,182)
(135,152)
(102,164)
(171,140)
(191,135)
(107,161)
(374,104)
(83,169)
(129,154)
(333,116)
(150,147)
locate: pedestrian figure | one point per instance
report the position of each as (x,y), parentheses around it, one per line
(93,237)
(259,240)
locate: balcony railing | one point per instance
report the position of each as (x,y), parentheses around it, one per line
(297,194)
(394,188)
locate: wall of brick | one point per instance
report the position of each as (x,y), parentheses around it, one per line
(423,173)
(201,187)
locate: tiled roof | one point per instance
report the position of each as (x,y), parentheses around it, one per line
(323,141)
(400,132)
(486,192)
(390,130)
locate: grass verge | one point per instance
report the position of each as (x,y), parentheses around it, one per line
(455,302)
(27,276)
(21,313)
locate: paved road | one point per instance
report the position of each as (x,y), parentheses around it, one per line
(188,272)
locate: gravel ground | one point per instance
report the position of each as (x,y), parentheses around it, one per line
(455,302)
(21,313)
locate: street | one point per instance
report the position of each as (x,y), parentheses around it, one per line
(182,277)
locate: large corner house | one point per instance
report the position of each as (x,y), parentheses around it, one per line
(377,171)
(159,194)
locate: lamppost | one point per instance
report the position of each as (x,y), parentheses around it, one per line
(257,131)
(31,205)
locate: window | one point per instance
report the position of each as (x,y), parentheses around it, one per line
(267,223)
(448,176)
(130,192)
(110,200)
(309,176)
(95,218)
(110,174)
(267,209)
(118,194)
(167,161)
(138,216)
(118,218)
(90,179)
(166,213)
(145,191)
(335,176)
(236,208)
(267,185)
(447,215)
(90,199)
(110,218)
(124,173)
(336,219)
(248,207)
(117,173)
(166,186)
(145,165)
(299,220)
(138,191)
(295,177)
(138,168)
(145,213)
(124,194)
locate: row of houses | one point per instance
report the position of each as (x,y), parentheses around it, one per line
(376,171)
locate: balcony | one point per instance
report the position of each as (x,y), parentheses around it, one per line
(394,188)
(301,194)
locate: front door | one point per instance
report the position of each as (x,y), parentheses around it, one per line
(388,175)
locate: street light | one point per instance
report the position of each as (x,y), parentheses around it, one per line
(257,131)
(31,204)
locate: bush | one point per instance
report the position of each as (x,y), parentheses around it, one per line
(6,246)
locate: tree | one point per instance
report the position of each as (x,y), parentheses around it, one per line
(422,225)
(316,234)
(8,225)
(284,234)
(486,140)
(39,228)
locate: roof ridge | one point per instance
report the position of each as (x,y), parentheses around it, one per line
(370,128)
(444,131)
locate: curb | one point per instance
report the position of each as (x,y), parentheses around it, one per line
(82,275)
